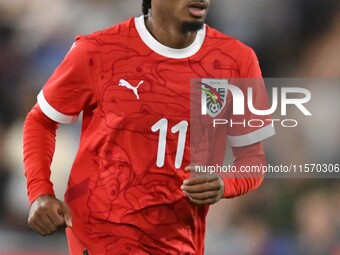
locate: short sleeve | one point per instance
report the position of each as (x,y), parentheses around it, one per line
(70,88)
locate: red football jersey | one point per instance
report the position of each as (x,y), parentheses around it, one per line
(134,93)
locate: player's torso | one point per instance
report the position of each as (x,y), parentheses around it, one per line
(137,144)
(143,109)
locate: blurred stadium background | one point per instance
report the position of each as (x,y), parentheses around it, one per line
(293,38)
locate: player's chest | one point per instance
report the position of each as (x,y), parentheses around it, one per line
(139,84)
(145,88)
(149,80)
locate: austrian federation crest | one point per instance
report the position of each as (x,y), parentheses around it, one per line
(214,96)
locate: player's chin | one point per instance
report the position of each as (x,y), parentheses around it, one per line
(192,25)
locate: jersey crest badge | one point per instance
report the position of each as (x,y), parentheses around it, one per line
(214,96)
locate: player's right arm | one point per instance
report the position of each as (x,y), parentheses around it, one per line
(67,92)
(46,212)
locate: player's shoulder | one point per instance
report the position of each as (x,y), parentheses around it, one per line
(226,42)
(234,51)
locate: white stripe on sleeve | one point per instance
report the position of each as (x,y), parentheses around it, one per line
(52,113)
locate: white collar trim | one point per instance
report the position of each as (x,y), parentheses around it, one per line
(165,51)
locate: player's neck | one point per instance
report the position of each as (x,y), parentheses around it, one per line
(169,34)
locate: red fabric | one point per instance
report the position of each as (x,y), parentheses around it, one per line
(23,252)
(121,200)
(39,145)
(251,155)
(75,246)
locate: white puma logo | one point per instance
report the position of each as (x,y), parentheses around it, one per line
(127,85)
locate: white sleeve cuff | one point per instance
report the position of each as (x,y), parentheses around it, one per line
(52,113)
(251,138)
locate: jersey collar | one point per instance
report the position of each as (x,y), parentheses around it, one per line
(165,51)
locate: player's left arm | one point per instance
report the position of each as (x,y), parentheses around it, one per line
(205,189)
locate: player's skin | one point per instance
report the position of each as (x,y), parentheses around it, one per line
(47,213)
(168,16)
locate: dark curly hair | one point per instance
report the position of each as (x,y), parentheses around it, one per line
(146,5)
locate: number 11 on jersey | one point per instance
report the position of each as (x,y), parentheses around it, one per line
(162,127)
